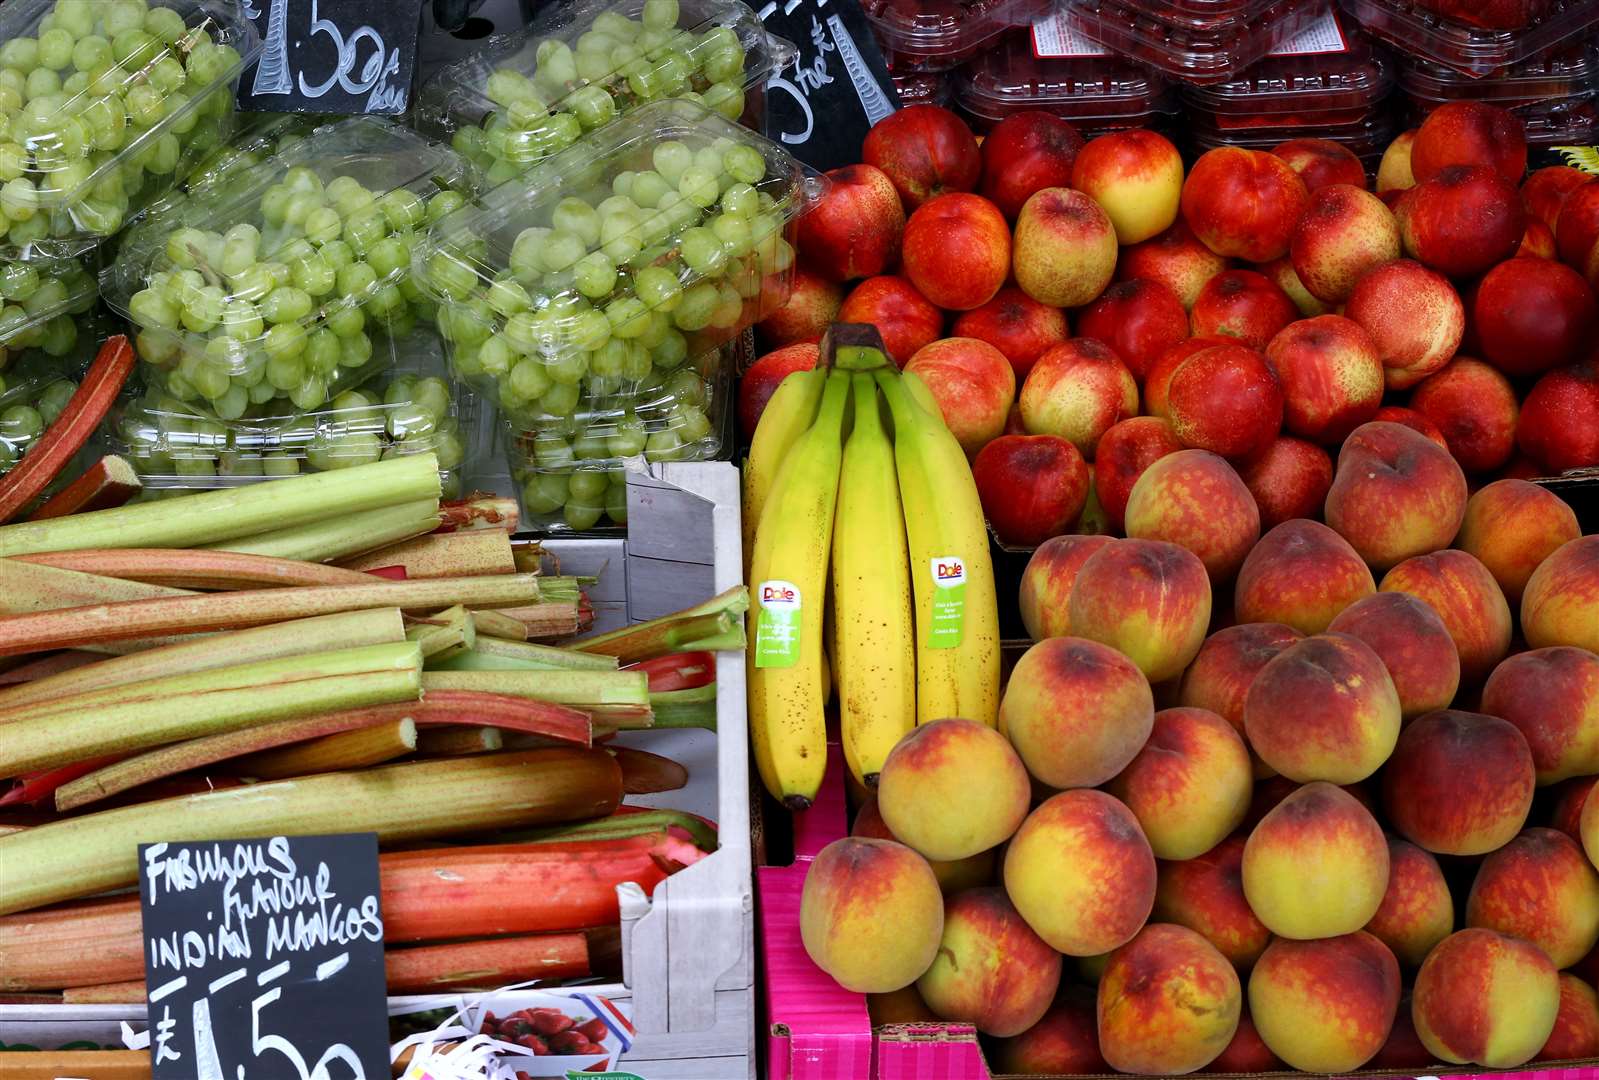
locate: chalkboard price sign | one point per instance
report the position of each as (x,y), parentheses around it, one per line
(264,959)
(332,56)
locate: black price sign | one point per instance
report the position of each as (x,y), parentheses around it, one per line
(332,56)
(822,105)
(264,959)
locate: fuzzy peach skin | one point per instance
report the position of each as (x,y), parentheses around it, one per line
(1078,391)
(1194,499)
(1417,911)
(1395,494)
(1467,598)
(1289,479)
(1123,453)
(1016,325)
(871,914)
(1081,873)
(1394,172)
(1244,204)
(1176,258)
(1046,591)
(1140,319)
(1322,162)
(1077,711)
(1225,399)
(1486,999)
(1190,785)
(1512,526)
(1413,314)
(1399,414)
(1331,375)
(1474,406)
(1413,644)
(1065,1041)
(1168,1003)
(973,384)
(1301,574)
(1149,600)
(1576,1033)
(1562,595)
(1206,894)
(957,250)
(1541,888)
(1552,695)
(1470,133)
(1323,709)
(1227,665)
(1344,232)
(1588,827)
(1281,272)
(1403,1050)
(1065,248)
(924,789)
(1137,176)
(1459,783)
(1247,1053)
(1326,1005)
(903,1006)
(953,877)
(991,971)
(1570,799)
(1317,865)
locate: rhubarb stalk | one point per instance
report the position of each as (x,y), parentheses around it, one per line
(26,588)
(342,535)
(480,511)
(451,741)
(345,750)
(545,620)
(486,965)
(695,707)
(462,554)
(109,482)
(46,666)
(715,625)
(581,689)
(498,654)
(644,773)
(443,635)
(198,569)
(500,625)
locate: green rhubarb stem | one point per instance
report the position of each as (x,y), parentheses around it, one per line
(355,749)
(443,635)
(462,554)
(685,708)
(214,516)
(713,626)
(26,588)
(500,625)
(448,742)
(620,826)
(580,689)
(196,569)
(498,654)
(342,535)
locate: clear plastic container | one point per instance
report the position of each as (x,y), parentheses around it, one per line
(1212,54)
(103,105)
(1572,121)
(1366,140)
(924,88)
(656,239)
(1474,50)
(264,287)
(47,305)
(33,391)
(1096,91)
(1565,73)
(937,35)
(526,95)
(258,138)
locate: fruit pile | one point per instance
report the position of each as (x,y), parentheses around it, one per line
(547,1031)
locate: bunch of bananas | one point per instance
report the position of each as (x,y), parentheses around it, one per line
(869,564)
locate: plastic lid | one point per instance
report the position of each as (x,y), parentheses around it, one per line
(258,137)
(924,88)
(1561,122)
(1350,75)
(1214,54)
(1473,50)
(1570,71)
(655,239)
(1489,15)
(262,287)
(1010,78)
(41,299)
(934,35)
(103,106)
(523,96)
(1366,139)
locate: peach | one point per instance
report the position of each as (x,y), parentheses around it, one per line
(871,914)
(1512,526)
(1301,574)
(1047,580)
(1577,231)
(1413,420)
(1206,894)
(1077,711)
(1394,173)
(1093,522)
(1544,192)
(1316,866)
(1540,888)
(1345,232)
(1243,203)
(812,307)
(1081,873)
(1141,319)
(1328,1005)
(1321,163)
(765,375)
(1562,595)
(1225,399)
(1281,272)
(1227,665)
(1413,644)
(1417,910)
(1395,494)
(1148,599)
(1123,453)
(1027,152)
(991,971)
(1176,258)
(924,789)
(1331,375)
(1157,383)
(1032,487)
(905,318)
(1485,998)
(854,229)
(1065,251)
(1244,305)
(1459,783)
(1552,695)
(973,384)
(1461,221)
(1247,1053)
(954,876)
(1404,1049)
(1576,1033)
(1588,828)
(1557,429)
(1194,499)
(1190,785)
(1470,133)
(1078,391)
(1168,1003)
(1016,325)
(1465,596)
(1136,176)
(1414,315)
(1289,479)
(926,151)
(1475,408)
(1537,241)
(904,1006)
(957,250)
(1531,315)
(1567,813)
(1065,1041)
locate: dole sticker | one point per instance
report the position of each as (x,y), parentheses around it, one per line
(948,624)
(777,625)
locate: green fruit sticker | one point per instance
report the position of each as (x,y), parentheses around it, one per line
(948,624)
(777,627)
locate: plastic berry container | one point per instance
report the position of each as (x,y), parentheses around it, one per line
(47,307)
(1213,54)
(103,105)
(1091,88)
(1570,121)
(924,88)
(258,137)
(265,287)
(33,391)
(1477,51)
(1565,73)
(937,35)
(1366,140)
(527,95)
(610,265)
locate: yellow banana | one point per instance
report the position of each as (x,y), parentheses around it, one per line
(957,609)
(874,654)
(788,576)
(788,413)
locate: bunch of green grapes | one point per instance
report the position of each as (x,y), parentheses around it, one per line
(617,63)
(40,302)
(26,410)
(278,305)
(99,106)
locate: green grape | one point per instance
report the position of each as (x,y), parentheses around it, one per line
(698,186)
(660,14)
(388,257)
(357,279)
(734,233)
(740,200)
(322,225)
(592,106)
(672,350)
(544,493)
(285,339)
(508,298)
(337,254)
(402,209)
(310,394)
(53,399)
(594,275)
(561,399)
(589,331)
(286,305)
(628,439)
(18,281)
(521,332)
(346,321)
(313,276)
(165,24)
(21,424)
(279,465)
(567,369)
(744,164)
(364,228)
(703,251)
(445,202)
(587,485)
(613,205)
(671,158)
(561,250)
(323,351)
(698,305)
(657,287)
(577,217)
(357,351)
(495,357)
(529,380)
(242,320)
(149,308)
(616,503)
(581,516)
(239,249)
(686,387)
